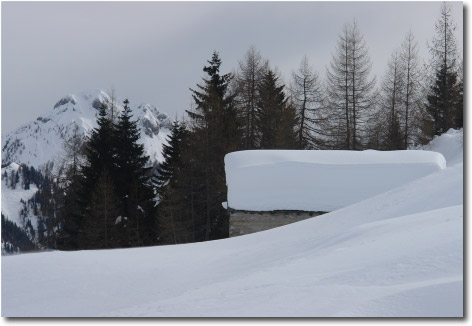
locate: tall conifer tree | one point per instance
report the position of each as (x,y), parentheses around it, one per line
(276,119)
(171,153)
(215,127)
(99,153)
(444,100)
(132,181)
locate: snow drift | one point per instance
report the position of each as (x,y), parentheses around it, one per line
(448,144)
(266,180)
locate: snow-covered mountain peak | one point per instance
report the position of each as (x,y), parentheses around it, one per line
(41,141)
(66,100)
(92,94)
(91,98)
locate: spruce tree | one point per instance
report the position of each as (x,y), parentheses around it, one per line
(132,180)
(173,225)
(287,135)
(99,222)
(216,131)
(67,234)
(458,111)
(99,152)
(276,119)
(444,100)
(171,153)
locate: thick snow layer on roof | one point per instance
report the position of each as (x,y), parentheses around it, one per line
(266,180)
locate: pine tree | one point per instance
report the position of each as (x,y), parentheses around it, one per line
(129,157)
(67,234)
(443,99)
(216,131)
(276,120)
(458,113)
(171,153)
(287,135)
(99,223)
(132,180)
(99,152)
(444,96)
(174,225)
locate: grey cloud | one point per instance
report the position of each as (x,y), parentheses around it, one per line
(155,51)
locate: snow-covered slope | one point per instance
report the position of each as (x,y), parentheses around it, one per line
(448,144)
(397,254)
(41,141)
(12,197)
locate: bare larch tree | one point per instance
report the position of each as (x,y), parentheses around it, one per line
(307,95)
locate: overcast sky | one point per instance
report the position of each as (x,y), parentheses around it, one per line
(154,52)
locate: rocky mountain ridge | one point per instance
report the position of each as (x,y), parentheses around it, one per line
(40,142)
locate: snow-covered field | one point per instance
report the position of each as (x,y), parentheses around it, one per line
(397,254)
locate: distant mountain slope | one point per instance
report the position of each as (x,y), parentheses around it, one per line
(41,141)
(32,147)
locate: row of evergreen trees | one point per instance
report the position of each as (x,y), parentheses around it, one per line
(109,198)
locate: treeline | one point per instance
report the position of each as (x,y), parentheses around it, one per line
(110,197)
(14,239)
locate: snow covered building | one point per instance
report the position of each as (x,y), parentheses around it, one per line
(271,188)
